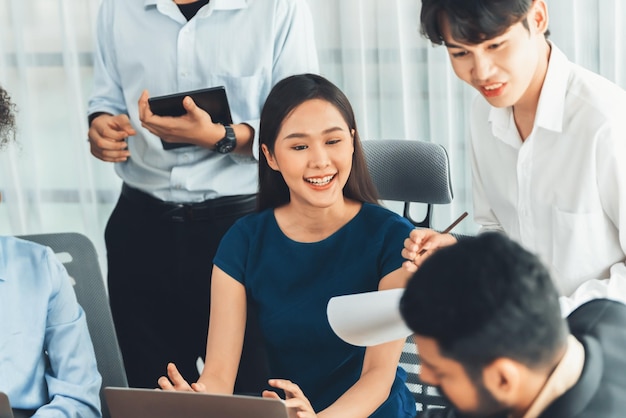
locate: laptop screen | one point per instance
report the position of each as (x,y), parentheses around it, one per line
(151,403)
(7,412)
(5,406)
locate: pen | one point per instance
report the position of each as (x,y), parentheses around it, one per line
(448,229)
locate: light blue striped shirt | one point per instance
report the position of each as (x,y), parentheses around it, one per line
(47,360)
(245,45)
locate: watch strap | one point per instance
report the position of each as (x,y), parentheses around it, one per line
(228,143)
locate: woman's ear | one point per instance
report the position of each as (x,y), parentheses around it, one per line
(271,161)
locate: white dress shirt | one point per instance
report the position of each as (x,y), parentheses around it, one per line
(562,192)
(245,45)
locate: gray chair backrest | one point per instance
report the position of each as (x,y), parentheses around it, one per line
(81,261)
(410,171)
(426,397)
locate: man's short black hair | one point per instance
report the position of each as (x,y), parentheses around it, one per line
(472,21)
(7,118)
(484,298)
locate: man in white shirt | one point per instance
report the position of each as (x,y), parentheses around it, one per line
(176,204)
(548,145)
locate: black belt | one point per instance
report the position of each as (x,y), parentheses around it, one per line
(231,206)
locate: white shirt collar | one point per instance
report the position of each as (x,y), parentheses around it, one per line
(550,110)
(563,378)
(213,4)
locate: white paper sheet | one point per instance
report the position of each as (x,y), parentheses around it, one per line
(366,319)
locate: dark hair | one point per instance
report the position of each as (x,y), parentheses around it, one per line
(483,298)
(7,118)
(472,21)
(286,95)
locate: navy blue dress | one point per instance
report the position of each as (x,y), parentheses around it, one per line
(291,283)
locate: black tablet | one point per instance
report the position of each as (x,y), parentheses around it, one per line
(212,100)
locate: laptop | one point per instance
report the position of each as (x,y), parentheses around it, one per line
(5,406)
(152,403)
(7,412)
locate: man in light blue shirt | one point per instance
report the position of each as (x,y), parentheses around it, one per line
(176,204)
(47,363)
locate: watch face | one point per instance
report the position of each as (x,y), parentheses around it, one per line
(225,146)
(228,143)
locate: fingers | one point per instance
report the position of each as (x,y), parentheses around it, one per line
(144,106)
(410,249)
(301,406)
(420,244)
(419,258)
(174,374)
(107,137)
(416,242)
(158,125)
(103,152)
(189,105)
(295,397)
(116,127)
(409,266)
(270,394)
(290,388)
(165,384)
(196,113)
(174,380)
(199,387)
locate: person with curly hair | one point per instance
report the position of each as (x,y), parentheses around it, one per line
(7,118)
(47,359)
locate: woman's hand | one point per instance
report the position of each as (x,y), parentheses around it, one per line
(174,381)
(295,399)
(420,244)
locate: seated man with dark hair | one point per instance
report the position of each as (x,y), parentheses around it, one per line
(489,332)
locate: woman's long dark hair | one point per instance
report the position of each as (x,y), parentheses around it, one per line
(286,95)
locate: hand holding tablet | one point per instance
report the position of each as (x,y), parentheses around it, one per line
(212,100)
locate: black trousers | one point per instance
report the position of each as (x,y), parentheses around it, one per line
(160,258)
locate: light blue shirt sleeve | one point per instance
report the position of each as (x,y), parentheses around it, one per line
(47,361)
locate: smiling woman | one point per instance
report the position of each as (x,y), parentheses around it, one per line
(315,98)
(319,233)
(315,161)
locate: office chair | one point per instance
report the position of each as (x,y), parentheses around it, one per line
(425,396)
(410,171)
(81,261)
